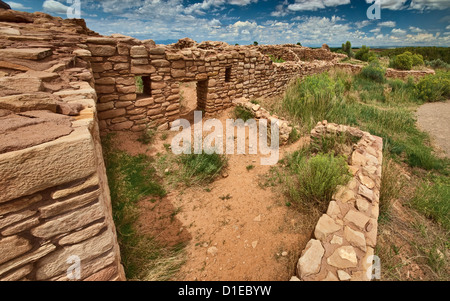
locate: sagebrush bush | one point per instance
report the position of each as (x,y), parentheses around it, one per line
(317,178)
(433,88)
(438,63)
(374,71)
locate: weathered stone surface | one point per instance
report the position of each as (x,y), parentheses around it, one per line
(309,262)
(343,257)
(101,40)
(358,159)
(344,195)
(20,84)
(158,50)
(69,222)
(330,277)
(82,53)
(19,204)
(91,181)
(366,192)
(111,114)
(21,226)
(18,274)
(16,217)
(27,258)
(325,226)
(294,278)
(143,69)
(9,31)
(55,263)
(67,205)
(343,275)
(355,238)
(102,50)
(362,205)
(47,165)
(368,182)
(103,275)
(372,229)
(357,218)
(81,235)
(12,247)
(26,53)
(138,52)
(333,209)
(336,240)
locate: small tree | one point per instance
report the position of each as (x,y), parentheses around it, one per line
(347,48)
(255,43)
(364,54)
(299,44)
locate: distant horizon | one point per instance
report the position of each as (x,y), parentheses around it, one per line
(417,23)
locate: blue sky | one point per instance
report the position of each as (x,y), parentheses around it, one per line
(311,22)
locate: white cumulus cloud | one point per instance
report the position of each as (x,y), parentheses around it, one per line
(312,5)
(55,7)
(17,6)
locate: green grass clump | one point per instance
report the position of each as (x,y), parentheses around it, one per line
(276,59)
(432,198)
(201,168)
(243,113)
(130,179)
(316,178)
(437,64)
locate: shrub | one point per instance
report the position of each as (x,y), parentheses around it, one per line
(364,54)
(347,48)
(243,113)
(438,63)
(433,88)
(317,178)
(402,61)
(201,168)
(255,43)
(299,44)
(417,60)
(147,136)
(374,71)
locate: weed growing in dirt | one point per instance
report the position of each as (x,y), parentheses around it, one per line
(201,168)
(130,179)
(147,136)
(250,167)
(243,113)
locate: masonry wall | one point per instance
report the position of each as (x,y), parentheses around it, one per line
(345,236)
(117,60)
(55,204)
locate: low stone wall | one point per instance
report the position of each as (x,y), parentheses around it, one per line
(345,236)
(259,112)
(391,73)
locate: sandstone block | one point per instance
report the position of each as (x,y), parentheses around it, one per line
(19,273)
(355,238)
(343,257)
(69,222)
(26,53)
(143,69)
(144,102)
(160,63)
(309,262)
(81,235)
(21,226)
(157,50)
(111,113)
(138,52)
(357,218)
(56,263)
(12,247)
(67,205)
(19,204)
(102,50)
(27,258)
(325,226)
(122,126)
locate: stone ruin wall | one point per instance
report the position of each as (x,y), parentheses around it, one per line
(391,73)
(222,72)
(61,84)
(54,201)
(345,236)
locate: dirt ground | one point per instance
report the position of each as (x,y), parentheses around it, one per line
(434,118)
(234,228)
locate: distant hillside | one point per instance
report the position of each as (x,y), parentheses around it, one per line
(428,53)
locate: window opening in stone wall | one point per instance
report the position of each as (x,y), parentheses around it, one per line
(143,86)
(228,74)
